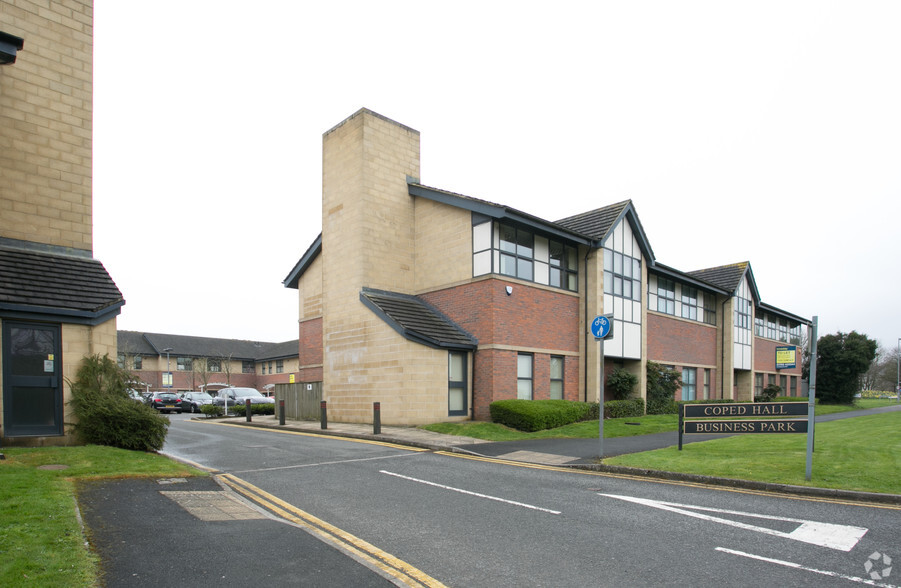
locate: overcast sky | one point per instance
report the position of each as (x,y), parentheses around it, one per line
(767,132)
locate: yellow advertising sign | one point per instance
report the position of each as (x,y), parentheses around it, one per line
(786,357)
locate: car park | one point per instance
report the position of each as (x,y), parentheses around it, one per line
(241,396)
(192,401)
(165,402)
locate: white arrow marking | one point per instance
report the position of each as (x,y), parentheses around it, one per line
(840,537)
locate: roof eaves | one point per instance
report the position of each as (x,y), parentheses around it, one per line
(312,252)
(495,211)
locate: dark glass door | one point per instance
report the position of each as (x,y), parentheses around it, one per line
(32,387)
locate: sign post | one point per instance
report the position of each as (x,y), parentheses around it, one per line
(812,398)
(601,328)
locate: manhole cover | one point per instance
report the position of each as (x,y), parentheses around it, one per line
(56,466)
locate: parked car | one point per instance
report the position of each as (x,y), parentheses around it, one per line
(136,396)
(240,396)
(192,401)
(165,401)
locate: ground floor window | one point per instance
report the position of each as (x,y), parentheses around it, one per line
(456,384)
(689,383)
(524,376)
(758,384)
(707,395)
(557,377)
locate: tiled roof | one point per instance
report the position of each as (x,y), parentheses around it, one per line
(139,343)
(726,277)
(40,281)
(416,320)
(595,223)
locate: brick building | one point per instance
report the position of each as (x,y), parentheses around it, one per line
(57,303)
(205,364)
(436,304)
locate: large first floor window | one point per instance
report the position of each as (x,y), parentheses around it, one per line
(185,364)
(456,384)
(524,376)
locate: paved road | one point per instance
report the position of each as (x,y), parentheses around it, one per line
(430,518)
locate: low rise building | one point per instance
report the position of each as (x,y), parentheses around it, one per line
(436,304)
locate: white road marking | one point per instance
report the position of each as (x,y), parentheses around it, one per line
(839,537)
(789,564)
(461,491)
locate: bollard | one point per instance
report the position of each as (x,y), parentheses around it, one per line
(376,418)
(247,408)
(281,411)
(322,415)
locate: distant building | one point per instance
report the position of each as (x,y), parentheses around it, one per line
(57,303)
(436,304)
(205,364)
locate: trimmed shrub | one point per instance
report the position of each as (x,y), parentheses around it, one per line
(537,415)
(241,409)
(662,386)
(617,409)
(107,415)
(621,383)
(211,410)
(769,393)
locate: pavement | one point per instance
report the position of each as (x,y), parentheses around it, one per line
(194,531)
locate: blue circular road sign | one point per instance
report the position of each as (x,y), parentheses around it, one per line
(600,327)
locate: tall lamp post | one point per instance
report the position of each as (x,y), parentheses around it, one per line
(168,370)
(898,382)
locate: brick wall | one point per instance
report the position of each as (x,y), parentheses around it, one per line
(676,341)
(531,317)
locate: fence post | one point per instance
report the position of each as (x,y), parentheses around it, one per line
(247,408)
(281,411)
(323,417)
(376,418)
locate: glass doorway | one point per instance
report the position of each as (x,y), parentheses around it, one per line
(32,386)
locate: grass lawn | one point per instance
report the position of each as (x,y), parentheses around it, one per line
(612,427)
(862,454)
(41,541)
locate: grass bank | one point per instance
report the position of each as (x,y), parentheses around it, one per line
(861,454)
(41,540)
(625,427)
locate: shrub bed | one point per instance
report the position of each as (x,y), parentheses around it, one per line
(537,415)
(617,409)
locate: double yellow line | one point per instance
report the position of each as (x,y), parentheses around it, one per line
(398,569)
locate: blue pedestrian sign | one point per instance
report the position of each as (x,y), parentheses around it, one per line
(602,327)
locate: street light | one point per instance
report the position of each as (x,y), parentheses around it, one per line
(168,370)
(898,382)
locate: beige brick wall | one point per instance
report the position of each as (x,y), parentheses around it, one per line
(45,123)
(443,245)
(309,290)
(368,240)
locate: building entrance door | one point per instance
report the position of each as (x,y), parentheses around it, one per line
(32,386)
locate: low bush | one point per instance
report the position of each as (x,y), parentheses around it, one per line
(621,383)
(617,409)
(211,410)
(107,415)
(241,409)
(537,415)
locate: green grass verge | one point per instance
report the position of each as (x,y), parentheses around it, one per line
(624,427)
(862,454)
(41,540)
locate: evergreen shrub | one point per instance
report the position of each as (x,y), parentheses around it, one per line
(107,415)
(537,415)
